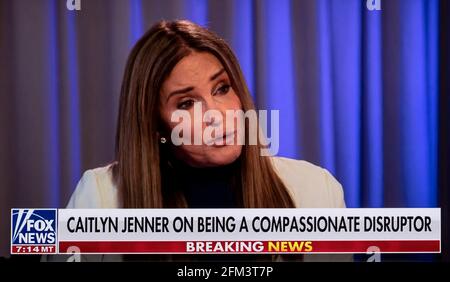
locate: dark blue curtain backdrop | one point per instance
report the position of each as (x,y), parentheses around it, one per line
(357,89)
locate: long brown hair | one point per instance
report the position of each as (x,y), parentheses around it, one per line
(139,156)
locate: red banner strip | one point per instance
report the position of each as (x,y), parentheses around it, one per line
(397,246)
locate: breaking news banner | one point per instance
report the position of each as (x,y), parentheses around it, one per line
(225,231)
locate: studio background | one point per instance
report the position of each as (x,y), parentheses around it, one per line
(357,90)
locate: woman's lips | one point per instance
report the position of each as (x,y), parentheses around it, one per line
(223,139)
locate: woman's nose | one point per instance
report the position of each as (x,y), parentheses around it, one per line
(213,115)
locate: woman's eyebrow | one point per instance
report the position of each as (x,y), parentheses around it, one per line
(180,91)
(214,76)
(190,88)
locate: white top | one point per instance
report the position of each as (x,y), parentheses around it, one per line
(310,186)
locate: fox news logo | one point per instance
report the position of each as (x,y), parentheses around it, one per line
(33,227)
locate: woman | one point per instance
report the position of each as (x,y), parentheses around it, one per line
(175,66)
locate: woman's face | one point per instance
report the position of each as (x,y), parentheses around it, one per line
(200,81)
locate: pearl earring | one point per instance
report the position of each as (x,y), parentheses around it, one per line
(163,140)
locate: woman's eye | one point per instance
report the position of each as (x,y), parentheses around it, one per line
(223,89)
(185,104)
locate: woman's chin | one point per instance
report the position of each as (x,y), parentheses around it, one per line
(209,156)
(222,155)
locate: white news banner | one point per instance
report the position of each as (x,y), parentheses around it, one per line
(399,230)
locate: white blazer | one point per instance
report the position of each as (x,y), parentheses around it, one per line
(310,186)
